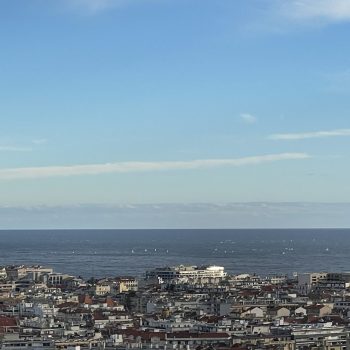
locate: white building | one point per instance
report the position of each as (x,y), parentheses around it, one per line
(55,279)
(306,281)
(309,281)
(34,273)
(188,273)
(3,273)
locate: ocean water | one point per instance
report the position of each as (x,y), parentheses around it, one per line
(102,253)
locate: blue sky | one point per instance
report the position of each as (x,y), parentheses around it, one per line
(118,102)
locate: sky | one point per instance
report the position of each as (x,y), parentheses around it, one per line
(183,113)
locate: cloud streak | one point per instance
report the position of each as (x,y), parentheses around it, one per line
(327,10)
(311,135)
(94,6)
(292,10)
(39,141)
(134,167)
(248,118)
(283,16)
(15,149)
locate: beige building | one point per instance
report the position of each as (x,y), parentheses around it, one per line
(127,284)
(318,310)
(278,312)
(102,289)
(253,312)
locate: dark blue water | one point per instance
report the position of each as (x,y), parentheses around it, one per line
(131,252)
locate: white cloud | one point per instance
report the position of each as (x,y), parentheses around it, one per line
(327,10)
(248,118)
(283,16)
(295,10)
(338,82)
(39,141)
(129,167)
(311,135)
(93,6)
(15,149)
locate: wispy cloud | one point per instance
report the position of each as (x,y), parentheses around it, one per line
(15,149)
(311,135)
(129,167)
(326,10)
(274,10)
(93,6)
(39,141)
(338,82)
(283,16)
(248,118)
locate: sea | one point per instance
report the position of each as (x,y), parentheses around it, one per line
(107,253)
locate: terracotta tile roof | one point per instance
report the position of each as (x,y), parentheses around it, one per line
(98,316)
(110,302)
(85,299)
(7,322)
(268,288)
(314,307)
(67,304)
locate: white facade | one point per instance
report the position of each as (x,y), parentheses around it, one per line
(308,280)
(3,273)
(188,273)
